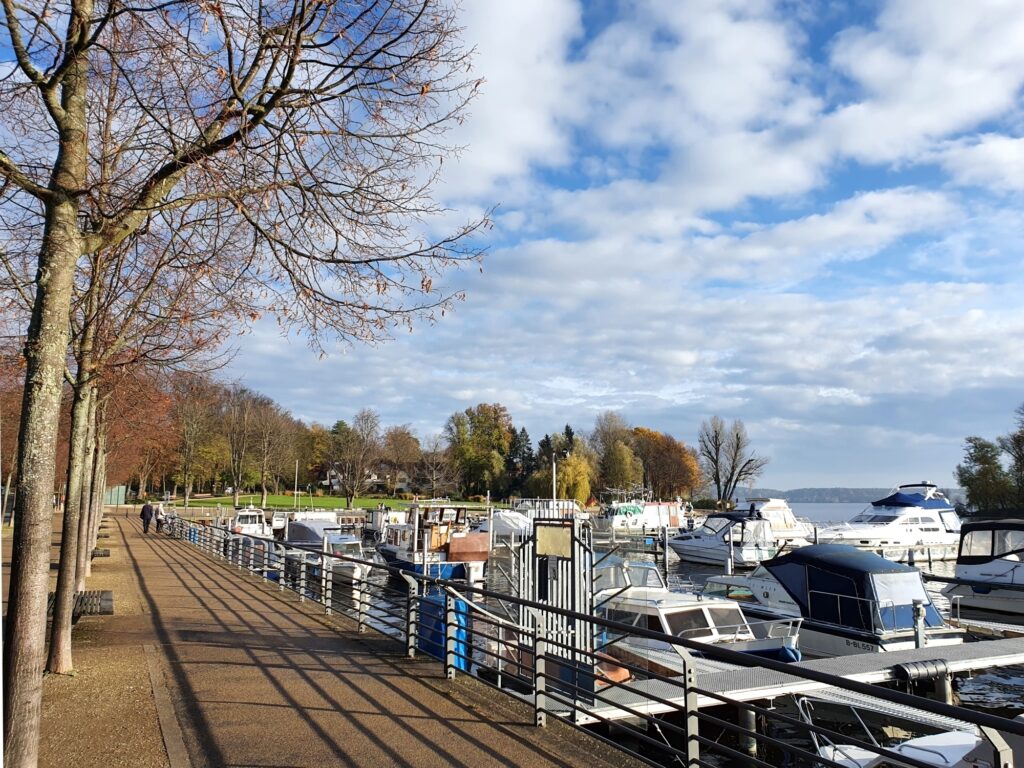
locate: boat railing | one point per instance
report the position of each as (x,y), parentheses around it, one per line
(776,628)
(551,658)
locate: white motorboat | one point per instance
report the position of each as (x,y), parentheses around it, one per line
(990,564)
(881,728)
(642,516)
(788,529)
(851,601)
(725,537)
(636,594)
(914,521)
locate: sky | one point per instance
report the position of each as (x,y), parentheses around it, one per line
(804,215)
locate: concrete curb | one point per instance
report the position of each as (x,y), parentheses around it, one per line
(174,742)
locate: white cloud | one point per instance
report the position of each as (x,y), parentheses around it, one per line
(989,160)
(926,70)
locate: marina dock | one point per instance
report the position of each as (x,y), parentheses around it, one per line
(747,684)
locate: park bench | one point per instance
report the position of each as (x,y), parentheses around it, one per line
(90,602)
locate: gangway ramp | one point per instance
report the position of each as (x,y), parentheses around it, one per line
(744,684)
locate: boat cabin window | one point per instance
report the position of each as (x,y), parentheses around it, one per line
(1008,542)
(688,622)
(726,617)
(873,518)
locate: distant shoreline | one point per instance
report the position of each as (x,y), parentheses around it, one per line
(837,495)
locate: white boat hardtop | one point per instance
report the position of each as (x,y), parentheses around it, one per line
(991,562)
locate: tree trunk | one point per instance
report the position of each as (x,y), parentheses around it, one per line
(99,488)
(84,553)
(60,661)
(45,355)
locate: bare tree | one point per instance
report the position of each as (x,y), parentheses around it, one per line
(400,451)
(310,131)
(237,420)
(273,435)
(193,411)
(436,472)
(354,451)
(727,456)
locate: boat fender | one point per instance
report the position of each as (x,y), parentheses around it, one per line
(921,670)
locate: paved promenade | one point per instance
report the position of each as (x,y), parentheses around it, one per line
(243,675)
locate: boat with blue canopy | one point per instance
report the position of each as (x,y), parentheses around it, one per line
(851,601)
(914,520)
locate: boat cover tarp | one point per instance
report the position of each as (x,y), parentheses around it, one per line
(899,499)
(844,585)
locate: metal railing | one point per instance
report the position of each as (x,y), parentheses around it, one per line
(497,638)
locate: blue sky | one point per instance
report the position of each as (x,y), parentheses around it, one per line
(783,212)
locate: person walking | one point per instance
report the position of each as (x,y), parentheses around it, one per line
(146,516)
(160,517)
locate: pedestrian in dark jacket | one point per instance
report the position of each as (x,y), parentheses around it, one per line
(147,516)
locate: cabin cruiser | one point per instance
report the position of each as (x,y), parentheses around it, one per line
(789,530)
(249,522)
(990,563)
(328,538)
(641,516)
(635,593)
(914,519)
(727,537)
(436,541)
(851,601)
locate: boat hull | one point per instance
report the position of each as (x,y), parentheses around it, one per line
(434,569)
(743,557)
(993,599)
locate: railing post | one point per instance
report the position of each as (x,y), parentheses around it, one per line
(327,585)
(412,615)
(360,614)
(690,726)
(451,627)
(302,578)
(540,717)
(282,569)
(252,556)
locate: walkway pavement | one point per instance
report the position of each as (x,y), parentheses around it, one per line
(243,675)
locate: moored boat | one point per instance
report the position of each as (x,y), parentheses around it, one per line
(914,520)
(990,563)
(436,541)
(851,601)
(636,594)
(727,537)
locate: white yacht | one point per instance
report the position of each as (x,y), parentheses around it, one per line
(725,537)
(636,594)
(788,529)
(851,601)
(913,521)
(990,564)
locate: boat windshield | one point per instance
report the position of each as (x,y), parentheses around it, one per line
(349,548)
(715,524)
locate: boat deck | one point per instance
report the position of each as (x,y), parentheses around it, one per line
(757,683)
